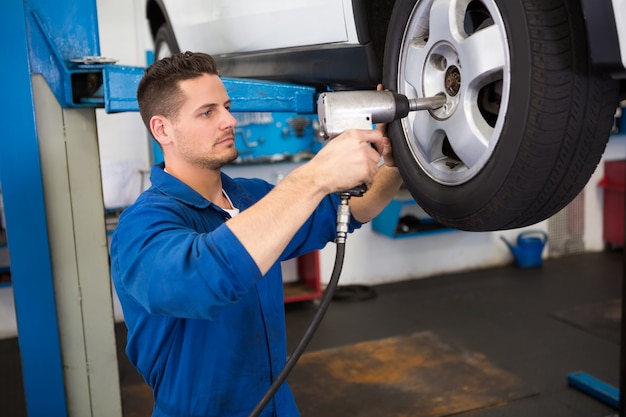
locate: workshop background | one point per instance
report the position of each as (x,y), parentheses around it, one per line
(372,258)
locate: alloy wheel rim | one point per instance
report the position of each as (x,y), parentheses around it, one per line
(464,56)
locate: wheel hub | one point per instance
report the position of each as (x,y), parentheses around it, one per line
(452,81)
(442,75)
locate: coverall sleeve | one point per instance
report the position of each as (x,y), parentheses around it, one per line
(318,230)
(171,269)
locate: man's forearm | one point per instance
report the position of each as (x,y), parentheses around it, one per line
(387,182)
(266,228)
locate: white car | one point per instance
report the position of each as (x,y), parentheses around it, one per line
(532,86)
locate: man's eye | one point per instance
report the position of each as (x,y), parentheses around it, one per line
(207,113)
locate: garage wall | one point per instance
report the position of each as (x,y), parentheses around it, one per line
(370,258)
(124,143)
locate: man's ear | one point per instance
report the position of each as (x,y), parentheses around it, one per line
(159,129)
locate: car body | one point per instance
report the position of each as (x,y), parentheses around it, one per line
(532,86)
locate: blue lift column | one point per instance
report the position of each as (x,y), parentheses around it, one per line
(54,211)
(52,81)
(22,188)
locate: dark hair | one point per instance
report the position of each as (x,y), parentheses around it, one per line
(158,91)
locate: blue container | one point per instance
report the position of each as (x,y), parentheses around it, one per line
(529,248)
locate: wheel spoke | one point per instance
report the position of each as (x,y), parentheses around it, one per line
(482,55)
(416,59)
(425,130)
(468,135)
(443,20)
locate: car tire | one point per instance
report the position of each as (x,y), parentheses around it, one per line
(526,119)
(164,43)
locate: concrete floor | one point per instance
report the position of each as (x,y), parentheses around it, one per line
(509,315)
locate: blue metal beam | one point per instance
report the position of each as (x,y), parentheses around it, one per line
(265,96)
(64,48)
(22,190)
(58,34)
(119,93)
(595,387)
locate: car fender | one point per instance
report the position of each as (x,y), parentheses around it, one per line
(606,34)
(221,27)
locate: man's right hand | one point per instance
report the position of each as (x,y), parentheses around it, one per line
(347,161)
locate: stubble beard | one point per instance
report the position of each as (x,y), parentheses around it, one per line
(213,161)
(216,162)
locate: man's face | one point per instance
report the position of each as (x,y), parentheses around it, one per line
(204,133)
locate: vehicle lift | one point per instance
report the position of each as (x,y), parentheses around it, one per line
(54,79)
(53,202)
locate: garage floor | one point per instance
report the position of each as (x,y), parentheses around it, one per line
(534,325)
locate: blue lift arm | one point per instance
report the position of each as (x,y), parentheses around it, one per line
(119,87)
(79,77)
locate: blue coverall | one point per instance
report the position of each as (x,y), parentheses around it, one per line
(205,328)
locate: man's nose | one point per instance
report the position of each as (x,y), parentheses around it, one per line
(230,121)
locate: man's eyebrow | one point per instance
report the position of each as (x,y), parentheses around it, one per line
(209,106)
(205,107)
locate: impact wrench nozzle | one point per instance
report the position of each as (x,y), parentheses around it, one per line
(426,103)
(342,110)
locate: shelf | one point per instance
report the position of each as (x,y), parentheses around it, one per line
(404,218)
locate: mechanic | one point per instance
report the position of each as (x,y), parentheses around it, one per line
(196,259)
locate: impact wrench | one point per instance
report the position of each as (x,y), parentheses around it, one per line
(337,112)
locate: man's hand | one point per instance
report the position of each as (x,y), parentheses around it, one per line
(386,150)
(349,160)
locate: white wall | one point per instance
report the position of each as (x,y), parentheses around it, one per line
(124,142)
(372,258)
